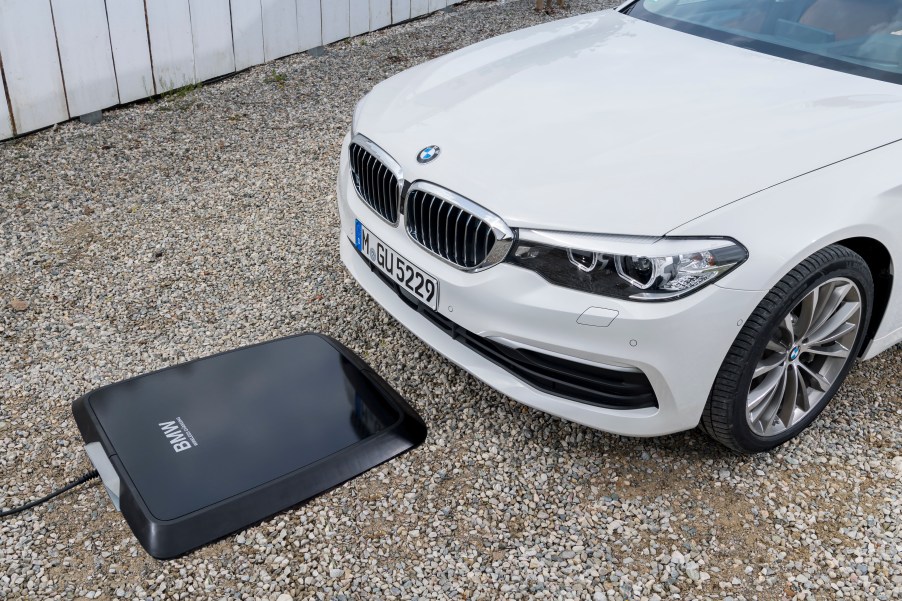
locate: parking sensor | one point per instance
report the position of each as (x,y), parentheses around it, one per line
(194,452)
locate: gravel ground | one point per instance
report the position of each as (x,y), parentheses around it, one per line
(206,221)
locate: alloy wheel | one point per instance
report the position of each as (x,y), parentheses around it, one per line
(804,357)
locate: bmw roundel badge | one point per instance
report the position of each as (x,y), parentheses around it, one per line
(428,154)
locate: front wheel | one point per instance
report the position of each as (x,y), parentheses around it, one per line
(793,353)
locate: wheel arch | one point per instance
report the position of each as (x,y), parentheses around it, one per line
(880,262)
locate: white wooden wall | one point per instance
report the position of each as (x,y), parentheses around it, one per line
(60,59)
(31,65)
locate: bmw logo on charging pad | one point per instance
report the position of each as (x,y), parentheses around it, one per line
(428,154)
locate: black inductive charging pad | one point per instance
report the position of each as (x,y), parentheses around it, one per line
(191,453)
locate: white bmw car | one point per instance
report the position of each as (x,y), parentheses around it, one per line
(677,212)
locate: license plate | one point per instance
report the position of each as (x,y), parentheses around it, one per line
(409,277)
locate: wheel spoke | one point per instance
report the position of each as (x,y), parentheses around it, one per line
(787,394)
(768,363)
(835,335)
(804,396)
(836,321)
(768,402)
(794,389)
(831,303)
(810,311)
(834,350)
(789,328)
(777,347)
(761,393)
(830,297)
(815,379)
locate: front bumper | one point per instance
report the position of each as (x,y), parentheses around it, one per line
(678,345)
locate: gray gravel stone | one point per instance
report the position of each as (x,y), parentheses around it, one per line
(206,220)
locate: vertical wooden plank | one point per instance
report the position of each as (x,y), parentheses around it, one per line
(6,123)
(360,16)
(31,64)
(380,14)
(169,26)
(435,5)
(86,56)
(247,33)
(310,24)
(400,10)
(418,8)
(211,33)
(336,20)
(280,28)
(131,53)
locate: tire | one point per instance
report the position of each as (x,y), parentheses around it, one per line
(801,381)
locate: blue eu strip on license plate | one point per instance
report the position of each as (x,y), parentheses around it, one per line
(358,235)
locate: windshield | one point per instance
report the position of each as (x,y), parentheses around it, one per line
(863,37)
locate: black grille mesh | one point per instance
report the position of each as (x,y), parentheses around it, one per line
(375,183)
(447,230)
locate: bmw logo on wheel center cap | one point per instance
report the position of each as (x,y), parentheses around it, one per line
(794,353)
(428,154)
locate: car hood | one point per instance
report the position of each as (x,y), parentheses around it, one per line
(606,123)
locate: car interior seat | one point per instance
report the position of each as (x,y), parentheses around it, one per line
(847,19)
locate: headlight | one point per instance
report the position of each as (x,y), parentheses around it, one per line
(634,268)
